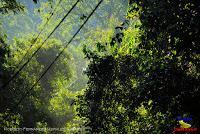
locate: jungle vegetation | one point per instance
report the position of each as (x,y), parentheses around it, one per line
(99,66)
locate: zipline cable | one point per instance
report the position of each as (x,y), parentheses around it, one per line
(30,58)
(56,58)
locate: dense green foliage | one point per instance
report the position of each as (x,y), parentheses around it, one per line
(162,67)
(141,62)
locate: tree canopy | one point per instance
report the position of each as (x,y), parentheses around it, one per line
(133,68)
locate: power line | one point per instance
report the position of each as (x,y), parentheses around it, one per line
(35,40)
(29,59)
(56,58)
